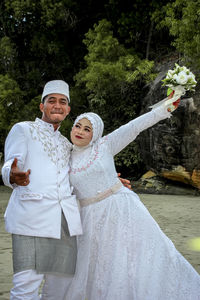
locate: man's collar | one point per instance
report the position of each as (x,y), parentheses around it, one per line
(46,125)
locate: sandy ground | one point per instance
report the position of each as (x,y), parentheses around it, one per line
(178,216)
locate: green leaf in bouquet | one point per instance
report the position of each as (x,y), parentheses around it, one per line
(169,91)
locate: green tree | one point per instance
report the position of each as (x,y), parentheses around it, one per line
(39,41)
(182,18)
(10,105)
(114,79)
(133,23)
(7,56)
(42,40)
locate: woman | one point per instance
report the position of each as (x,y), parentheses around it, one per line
(123,254)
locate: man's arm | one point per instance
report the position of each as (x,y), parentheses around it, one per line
(125,182)
(15,154)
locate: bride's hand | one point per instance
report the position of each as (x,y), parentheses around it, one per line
(175,103)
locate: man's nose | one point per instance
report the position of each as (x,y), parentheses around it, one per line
(57,104)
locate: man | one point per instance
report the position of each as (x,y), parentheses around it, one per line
(41,197)
(42,215)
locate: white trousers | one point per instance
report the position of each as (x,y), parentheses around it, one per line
(26,286)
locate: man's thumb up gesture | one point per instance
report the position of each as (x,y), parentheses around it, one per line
(18,177)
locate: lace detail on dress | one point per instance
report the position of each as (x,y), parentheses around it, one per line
(124,255)
(90,160)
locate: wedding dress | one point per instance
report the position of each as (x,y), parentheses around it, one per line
(123,254)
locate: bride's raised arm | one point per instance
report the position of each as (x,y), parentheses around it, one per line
(125,134)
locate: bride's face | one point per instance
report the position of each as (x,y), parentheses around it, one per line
(82,133)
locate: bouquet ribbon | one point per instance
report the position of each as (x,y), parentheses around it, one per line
(179,91)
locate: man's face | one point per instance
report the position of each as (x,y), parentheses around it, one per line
(55,109)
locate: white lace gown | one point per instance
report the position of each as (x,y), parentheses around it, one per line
(123,254)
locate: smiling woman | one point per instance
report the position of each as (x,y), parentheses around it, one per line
(82,133)
(123,253)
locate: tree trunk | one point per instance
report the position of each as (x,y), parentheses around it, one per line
(149,39)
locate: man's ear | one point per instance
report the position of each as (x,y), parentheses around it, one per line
(41,107)
(69,109)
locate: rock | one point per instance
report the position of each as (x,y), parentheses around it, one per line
(171,148)
(150,183)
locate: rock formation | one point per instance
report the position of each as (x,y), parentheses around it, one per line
(171,148)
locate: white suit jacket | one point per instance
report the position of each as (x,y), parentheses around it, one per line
(35,210)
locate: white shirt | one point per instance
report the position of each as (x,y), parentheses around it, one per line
(35,210)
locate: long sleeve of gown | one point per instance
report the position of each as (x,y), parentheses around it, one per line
(124,135)
(15,146)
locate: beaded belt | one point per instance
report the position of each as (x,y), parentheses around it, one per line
(113,189)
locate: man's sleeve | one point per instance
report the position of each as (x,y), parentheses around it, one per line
(15,146)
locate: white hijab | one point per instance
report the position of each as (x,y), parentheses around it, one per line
(97,125)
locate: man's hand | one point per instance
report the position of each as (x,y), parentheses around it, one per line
(125,182)
(18,177)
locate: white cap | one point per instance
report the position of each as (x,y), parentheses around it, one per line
(56,87)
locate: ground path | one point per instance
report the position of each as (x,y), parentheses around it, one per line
(178,216)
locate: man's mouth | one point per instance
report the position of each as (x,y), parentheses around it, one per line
(56,113)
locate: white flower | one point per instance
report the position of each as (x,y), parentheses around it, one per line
(181,78)
(191,78)
(185,70)
(170,74)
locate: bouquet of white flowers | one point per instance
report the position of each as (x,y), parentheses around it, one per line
(179,76)
(179,80)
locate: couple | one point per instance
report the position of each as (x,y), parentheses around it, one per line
(122,253)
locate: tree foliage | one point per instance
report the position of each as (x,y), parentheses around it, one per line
(132,20)
(182,18)
(113,78)
(10,104)
(42,40)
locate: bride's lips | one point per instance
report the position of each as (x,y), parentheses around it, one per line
(78,137)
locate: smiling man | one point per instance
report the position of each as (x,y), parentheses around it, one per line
(42,215)
(54,108)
